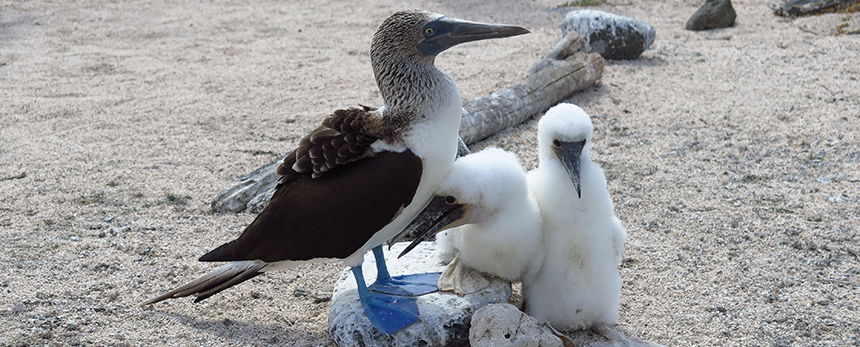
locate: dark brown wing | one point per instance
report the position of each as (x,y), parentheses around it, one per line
(342,138)
(330,216)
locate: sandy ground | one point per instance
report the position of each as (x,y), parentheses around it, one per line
(732,155)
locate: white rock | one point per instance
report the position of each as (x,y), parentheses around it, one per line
(610,35)
(503,325)
(445,317)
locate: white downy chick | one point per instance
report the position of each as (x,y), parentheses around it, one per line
(487,196)
(579,285)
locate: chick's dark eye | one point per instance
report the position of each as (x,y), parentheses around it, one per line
(429,31)
(450,200)
(556,143)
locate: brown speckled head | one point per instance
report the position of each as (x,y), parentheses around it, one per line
(404,48)
(401,33)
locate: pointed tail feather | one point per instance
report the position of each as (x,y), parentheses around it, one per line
(214,282)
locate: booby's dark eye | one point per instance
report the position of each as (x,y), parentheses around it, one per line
(556,143)
(450,199)
(429,31)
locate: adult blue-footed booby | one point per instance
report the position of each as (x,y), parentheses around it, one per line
(488,192)
(579,285)
(362,176)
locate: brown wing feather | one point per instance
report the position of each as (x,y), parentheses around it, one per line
(329,216)
(342,138)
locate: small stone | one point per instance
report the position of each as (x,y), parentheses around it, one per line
(71,325)
(713,14)
(318,298)
(502,325)
(445,316)
(47,335)
(836,198)
(610,35)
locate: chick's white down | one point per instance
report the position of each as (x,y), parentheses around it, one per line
(578,284)
(503,235)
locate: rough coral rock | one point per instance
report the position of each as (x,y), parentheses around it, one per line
(610,35)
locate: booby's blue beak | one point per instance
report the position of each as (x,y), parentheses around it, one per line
(445,33)
(570,155)
(442,213)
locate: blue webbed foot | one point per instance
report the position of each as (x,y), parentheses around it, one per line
(388,313)
(407,285)
(402,285)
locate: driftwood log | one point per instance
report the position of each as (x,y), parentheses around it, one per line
(798,8)
(555,77)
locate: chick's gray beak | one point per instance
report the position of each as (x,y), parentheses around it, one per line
(445,33)
(440,214)
(570,154)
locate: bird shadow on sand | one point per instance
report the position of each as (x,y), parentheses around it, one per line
(240,331)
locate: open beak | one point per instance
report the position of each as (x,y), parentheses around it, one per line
(442,213)
(570,154)
(449,32)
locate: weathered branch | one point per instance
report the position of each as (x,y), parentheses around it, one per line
(797,8)
(558,75)
(255,186)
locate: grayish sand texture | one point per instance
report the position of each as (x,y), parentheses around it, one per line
(732,155)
